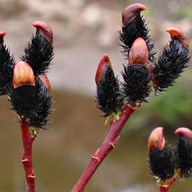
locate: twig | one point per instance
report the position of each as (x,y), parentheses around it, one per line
(27,139)
(107,146)
(165,188)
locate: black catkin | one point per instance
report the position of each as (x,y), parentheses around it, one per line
(170,65)
(32,103)
(108,97)
(136,28)
(184,157)
(39,54)
(161,163)
(6,69)
(136,83)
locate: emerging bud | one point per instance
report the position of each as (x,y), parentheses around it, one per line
(45,81)
(2,34)
(131,12)
(156,139)
(109,97)
(101,67)
(23,74)
(139,52)
(44,30)
(185,133)
(184,151)
(177,34)
(161,156)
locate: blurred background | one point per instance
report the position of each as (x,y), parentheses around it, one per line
(83,32)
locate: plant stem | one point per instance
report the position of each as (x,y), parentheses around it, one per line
(107,146)
(27,139)
(165,188)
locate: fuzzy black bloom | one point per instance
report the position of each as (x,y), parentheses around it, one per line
(161,163)
(184,157)
(136,83)
(6,69)
(170,65)
(32,102)
(108,95)
(38,54)
(136,28)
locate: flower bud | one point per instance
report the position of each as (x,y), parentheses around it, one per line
(185,133)
(156,139)
(139,52)
(44,30)
(177,34)
(2,34)
(23,74)
(101,67)
(131,12)
(184,151)
(45,81)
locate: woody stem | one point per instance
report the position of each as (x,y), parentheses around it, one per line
(107,146)
(27,140)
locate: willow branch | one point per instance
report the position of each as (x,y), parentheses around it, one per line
(27,140)
(107,146)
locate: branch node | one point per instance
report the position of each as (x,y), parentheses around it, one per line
(25,160)
(32,176)
(95,157)
(113,144)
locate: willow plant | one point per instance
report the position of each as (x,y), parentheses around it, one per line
(168,163)
(143,73)
(26,84)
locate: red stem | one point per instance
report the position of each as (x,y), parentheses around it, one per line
(27,139)
(165,188)
(107,146)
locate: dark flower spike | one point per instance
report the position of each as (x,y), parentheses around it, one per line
(6,66)
(32,103)
(161,161)
(184,151)
(39,52)
(172,62)
(133,27)
(136,85)
(108,97)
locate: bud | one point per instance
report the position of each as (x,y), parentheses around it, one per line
(23,74)
(45,81)
(161,156)
(156,139)
(131,12)
(185,133)
(139,52)
(44,30)
(2,34)
(101,67)
(184,151)
(177,34)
